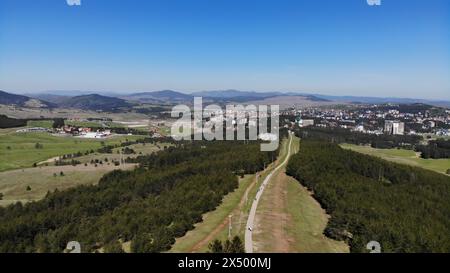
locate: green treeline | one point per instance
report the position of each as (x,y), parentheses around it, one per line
(6,122)
(406,209)
(149,206)
(340,135)
(435,149)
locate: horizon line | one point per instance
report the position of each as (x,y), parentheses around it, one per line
(100,92)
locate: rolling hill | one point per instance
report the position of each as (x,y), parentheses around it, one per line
(23,101)
(94,102)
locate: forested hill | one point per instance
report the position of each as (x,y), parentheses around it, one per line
(24,101)
(406,209)
(94,102)
(149,206)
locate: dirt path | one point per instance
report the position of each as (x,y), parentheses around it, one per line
(251,223)
(213,234)
(272,219)
(50,160)
(290,220)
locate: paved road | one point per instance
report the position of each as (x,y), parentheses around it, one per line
(251,216)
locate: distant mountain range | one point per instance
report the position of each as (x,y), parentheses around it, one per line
(159,96)
(84,102)
(232,94)
(108,101)
(375,100)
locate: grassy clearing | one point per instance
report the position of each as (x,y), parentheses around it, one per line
(18,150)
(9,130)
(216,221)
(94,124)
(82,123)
(40,123)
(13,184)
(403,157)
(140,149)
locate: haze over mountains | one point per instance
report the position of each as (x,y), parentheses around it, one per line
(109,101)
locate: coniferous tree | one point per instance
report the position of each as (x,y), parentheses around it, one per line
(215,246)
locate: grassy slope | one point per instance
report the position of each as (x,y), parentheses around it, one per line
(40,123)
(22,152)
(403,157)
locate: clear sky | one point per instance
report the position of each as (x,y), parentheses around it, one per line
(338,47)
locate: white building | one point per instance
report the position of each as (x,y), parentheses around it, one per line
(392,127)
(103,134)
(305,122)
(359,128)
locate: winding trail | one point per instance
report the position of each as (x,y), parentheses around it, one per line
(251,216)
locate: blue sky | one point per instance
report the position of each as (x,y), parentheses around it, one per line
(345,47)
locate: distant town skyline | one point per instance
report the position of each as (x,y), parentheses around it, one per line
(341,48)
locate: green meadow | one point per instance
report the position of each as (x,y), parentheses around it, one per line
(22,150)
(40,123)
(402,156)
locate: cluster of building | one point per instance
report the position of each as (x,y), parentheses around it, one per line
(69,131)
(82,132)
(376,119)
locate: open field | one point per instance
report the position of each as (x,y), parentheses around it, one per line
(403,157)
(26,113)
(107,124)
(18,150)
(140,149)
(290,220)
(13,184)
(10,130)
(40,123)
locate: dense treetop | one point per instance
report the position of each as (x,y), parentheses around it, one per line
(406,209)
